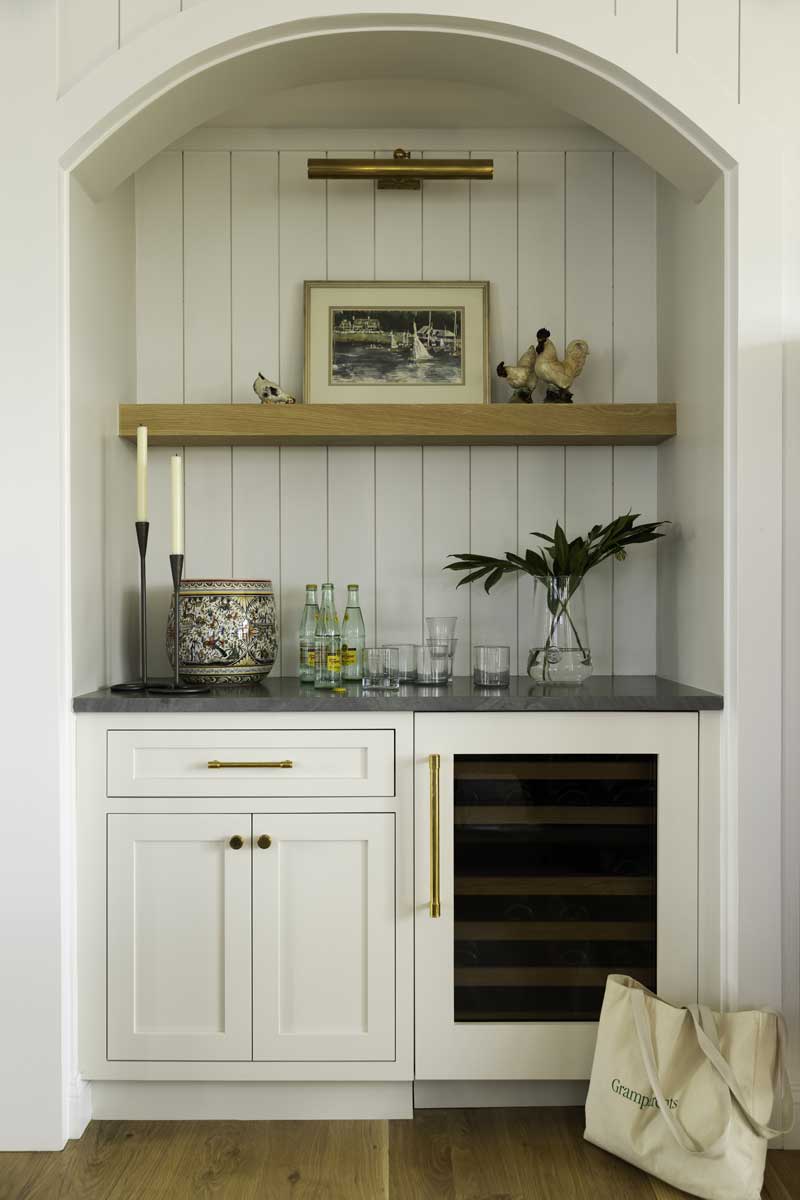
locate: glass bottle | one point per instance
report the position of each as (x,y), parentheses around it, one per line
(328,647)
(308,634)
(354,636)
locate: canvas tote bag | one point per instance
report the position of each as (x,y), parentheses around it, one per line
(686,1094)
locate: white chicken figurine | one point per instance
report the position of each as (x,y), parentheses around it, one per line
(541,362)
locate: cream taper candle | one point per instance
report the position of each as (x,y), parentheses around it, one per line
(141,473)
(177,504)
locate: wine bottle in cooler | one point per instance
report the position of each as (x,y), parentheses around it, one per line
(328,647)
(307,636)
(353,636)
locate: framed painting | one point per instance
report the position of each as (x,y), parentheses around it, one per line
(375,342)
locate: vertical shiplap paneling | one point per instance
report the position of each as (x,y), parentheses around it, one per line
(589,315)
(635,381)
(351,526)
(446,512)
(135,16)
(207,355)
(255,323)
(589,502)
(445,226)
(446,469)
(708,34)
(88,33)
(541,259)
(304,538)
(398,469)
(304,472)
(635,591)
(302,256)
(655,22)
(493,254)
(493,470)
(540,505)
(398,232)
(350,247)
(351,226)
(158,191)
(635,325)
(493,530)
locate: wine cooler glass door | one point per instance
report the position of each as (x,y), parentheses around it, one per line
(562,849)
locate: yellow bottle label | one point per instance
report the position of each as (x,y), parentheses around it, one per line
(349,657)
(311,657)
(334,662)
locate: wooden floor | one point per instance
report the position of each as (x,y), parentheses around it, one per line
(476,1154)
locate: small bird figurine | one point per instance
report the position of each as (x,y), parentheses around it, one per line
(522,377)
(269,392)
(559,376)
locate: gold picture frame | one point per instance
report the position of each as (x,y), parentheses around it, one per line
(396,342)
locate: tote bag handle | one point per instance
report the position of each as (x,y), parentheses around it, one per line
(708,1041)
(644,1037)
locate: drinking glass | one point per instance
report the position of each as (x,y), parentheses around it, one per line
(407,653)
(491,666)
(432,662)
(381,668)
(441,629)
(450,656)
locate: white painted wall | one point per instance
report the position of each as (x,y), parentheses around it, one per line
(102,373)
(690,486)
(225,238)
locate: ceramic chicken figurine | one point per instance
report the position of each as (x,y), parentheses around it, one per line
(521,377)
(558,375)
(269,392)
(541,362)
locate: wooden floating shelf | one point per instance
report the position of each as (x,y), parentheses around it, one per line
(400,424)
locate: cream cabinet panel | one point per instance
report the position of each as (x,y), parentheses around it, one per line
(322,762)
(324,937)
(179,978)
(567,849)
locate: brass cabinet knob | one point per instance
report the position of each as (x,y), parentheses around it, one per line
(236,842)
(264,842)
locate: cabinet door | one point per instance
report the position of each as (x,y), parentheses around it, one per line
(179,937)
(566,846)
(324,937)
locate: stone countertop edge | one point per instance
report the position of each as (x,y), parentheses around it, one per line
(601,693)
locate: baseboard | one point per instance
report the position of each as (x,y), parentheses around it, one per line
(139,1101)
(513,1093)
(79,1107)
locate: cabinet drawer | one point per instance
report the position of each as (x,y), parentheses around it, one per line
(324,762)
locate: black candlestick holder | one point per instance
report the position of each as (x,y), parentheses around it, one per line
(177,686)
(140,684)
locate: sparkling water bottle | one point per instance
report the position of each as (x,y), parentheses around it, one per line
(353,636)
(308,635)
(328,647)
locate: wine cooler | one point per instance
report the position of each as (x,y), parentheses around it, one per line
(561,848)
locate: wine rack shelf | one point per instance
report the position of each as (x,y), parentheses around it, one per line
(400,424)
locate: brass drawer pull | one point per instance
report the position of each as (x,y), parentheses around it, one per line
(264,842)
(236,842)
(215,764)
(434,762)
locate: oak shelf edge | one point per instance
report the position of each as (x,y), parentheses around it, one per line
(400,424)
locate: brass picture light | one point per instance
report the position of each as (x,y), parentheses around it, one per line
(401,171)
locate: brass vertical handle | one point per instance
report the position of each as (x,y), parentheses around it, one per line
(434,762)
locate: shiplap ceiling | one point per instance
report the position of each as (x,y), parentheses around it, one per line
(381,103)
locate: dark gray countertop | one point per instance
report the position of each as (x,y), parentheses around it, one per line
(601,693)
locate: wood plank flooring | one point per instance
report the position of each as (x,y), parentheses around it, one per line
(467,1154)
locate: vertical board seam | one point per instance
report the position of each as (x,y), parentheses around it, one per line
(613,393)
(230,303)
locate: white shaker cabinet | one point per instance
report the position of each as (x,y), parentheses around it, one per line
(323,937)
(551,850)
(179,936)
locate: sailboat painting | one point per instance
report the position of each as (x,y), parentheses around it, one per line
(384,346)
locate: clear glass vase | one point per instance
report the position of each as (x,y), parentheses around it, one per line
(561,651)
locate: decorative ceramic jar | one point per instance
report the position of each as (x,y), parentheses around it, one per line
(228,633)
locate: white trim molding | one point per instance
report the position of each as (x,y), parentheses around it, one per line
(285,1101)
